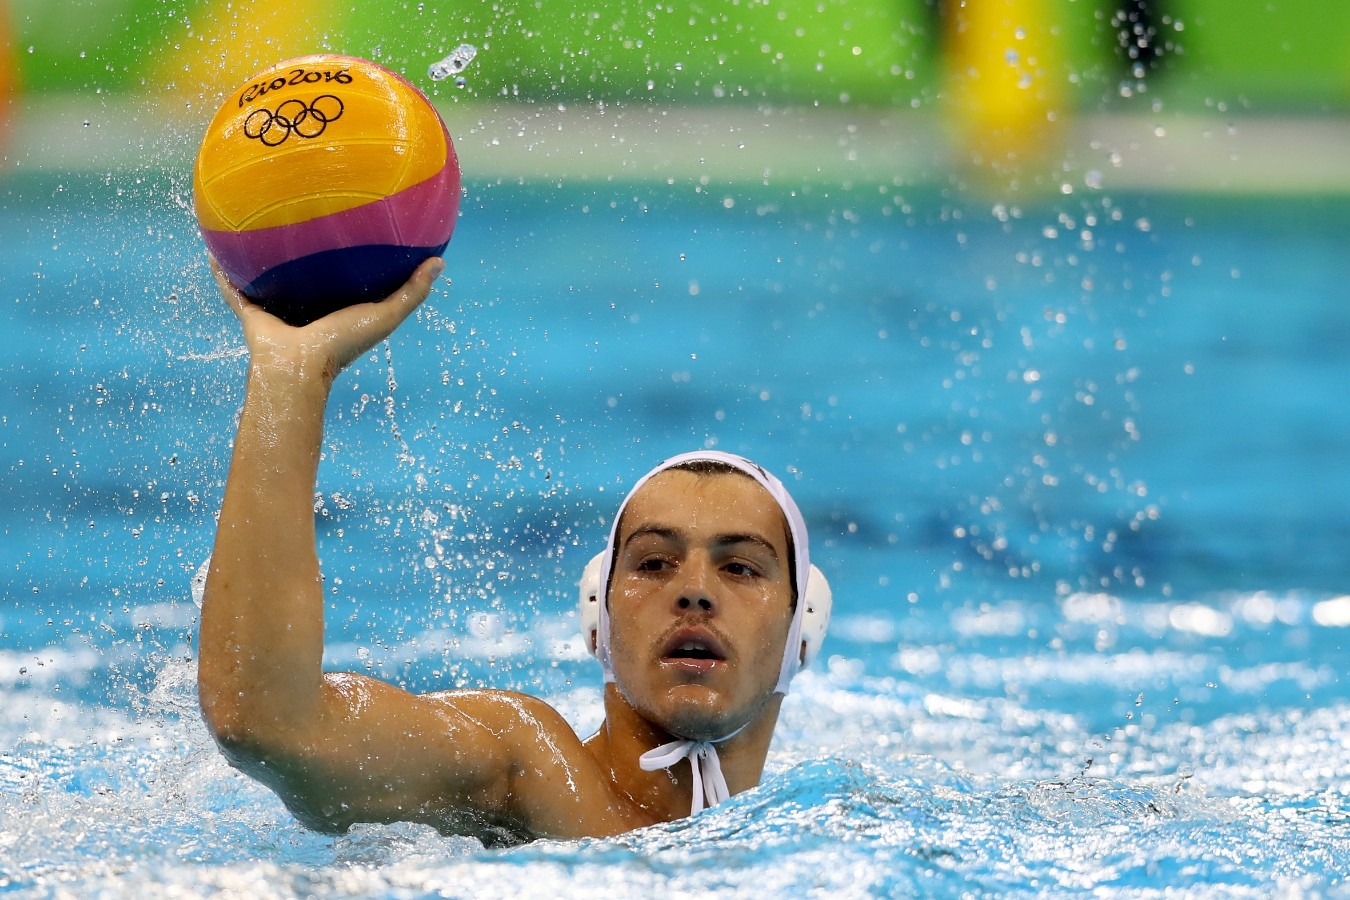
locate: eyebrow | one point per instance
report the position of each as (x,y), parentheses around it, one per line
(721,540)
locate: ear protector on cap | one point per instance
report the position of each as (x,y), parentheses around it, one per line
(815,618)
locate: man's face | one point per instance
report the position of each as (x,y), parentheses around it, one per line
(700,602)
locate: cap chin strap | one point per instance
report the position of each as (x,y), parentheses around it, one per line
(710,785)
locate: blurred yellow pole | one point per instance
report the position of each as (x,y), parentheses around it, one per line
(1003,84)
(9,74)
(213,51)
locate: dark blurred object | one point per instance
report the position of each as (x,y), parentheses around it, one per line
(1139,42)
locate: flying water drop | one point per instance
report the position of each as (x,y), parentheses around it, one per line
(198,584)
(456,62)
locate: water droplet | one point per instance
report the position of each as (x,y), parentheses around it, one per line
(456,62)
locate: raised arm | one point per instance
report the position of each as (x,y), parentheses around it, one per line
(262,616)
(338,748)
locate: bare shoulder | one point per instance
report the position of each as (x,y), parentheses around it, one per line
(555,786)
(504,713)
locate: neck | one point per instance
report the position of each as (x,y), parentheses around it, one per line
(664,795)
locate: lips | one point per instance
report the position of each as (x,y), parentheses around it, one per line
(693,648)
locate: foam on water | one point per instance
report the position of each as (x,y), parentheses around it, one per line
(881,782)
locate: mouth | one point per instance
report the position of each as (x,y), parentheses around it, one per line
(693,649)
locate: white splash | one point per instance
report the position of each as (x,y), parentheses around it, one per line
(456,62)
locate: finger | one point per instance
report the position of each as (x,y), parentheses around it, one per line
(417,289)
(378,320)
(355,329)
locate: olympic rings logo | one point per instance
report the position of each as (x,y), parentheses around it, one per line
(305,120)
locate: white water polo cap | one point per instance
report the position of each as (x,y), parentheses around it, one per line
(812,612)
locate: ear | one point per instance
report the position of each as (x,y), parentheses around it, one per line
(589,603)
(819,602)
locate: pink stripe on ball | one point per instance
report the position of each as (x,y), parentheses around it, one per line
(416,217)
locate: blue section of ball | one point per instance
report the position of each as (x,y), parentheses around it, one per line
(305,289)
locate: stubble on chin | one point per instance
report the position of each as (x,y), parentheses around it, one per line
(703,718)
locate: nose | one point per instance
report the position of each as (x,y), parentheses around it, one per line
(694,592)
(703,603)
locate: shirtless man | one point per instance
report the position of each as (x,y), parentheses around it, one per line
(694,613)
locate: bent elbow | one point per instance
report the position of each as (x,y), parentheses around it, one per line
(219,710)
(238,713)
(239,729)
(230,729)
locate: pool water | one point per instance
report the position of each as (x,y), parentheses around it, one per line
(1075,470)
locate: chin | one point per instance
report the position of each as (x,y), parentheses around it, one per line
(703,715)
(694,712)
(698,725)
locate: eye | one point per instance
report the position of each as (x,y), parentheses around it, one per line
(741,569)
(653,564)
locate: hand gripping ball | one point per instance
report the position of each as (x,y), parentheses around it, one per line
(325,181)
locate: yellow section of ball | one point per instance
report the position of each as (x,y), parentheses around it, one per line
(310,137)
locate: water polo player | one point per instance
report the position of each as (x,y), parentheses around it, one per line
(701,608)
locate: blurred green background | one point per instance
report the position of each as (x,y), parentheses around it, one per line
(1209,95)
(1264,55)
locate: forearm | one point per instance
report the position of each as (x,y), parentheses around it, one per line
(262,616)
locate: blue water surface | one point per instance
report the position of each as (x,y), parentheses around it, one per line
(1075,469)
